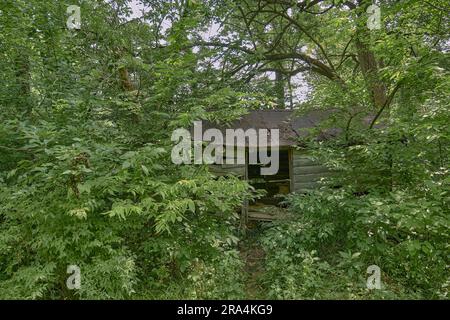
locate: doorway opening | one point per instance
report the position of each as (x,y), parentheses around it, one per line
(275,186)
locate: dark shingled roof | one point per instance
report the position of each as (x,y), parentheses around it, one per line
(291,127)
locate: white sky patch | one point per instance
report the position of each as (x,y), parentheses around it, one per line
(301,89)
(212,31)
(137,7)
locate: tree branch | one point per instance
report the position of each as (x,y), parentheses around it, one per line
(386,104)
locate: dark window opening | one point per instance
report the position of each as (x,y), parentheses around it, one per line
(274,185)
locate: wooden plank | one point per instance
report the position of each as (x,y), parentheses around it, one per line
(310,169)
(300,152)
(221,170)
(231,166)
(278,181)
(244,211)
(301,186)
(310,177)
(291,169)
(300,162)
(261,216)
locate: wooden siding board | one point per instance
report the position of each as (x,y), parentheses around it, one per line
(310,169)
(291,170)
(303,162)
(302,186)
(244,209)
(310,177)
(220,170)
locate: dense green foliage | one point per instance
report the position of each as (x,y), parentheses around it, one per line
(403,233)
(86,177)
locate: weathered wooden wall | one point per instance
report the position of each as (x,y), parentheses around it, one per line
(225,169)
(306,172)
(305,175)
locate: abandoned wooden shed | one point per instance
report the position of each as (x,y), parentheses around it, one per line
(298,172)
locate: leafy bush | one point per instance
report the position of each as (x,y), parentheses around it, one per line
(122,216)
(335,236)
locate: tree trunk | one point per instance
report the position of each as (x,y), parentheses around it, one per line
(279,89)
(369,68)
